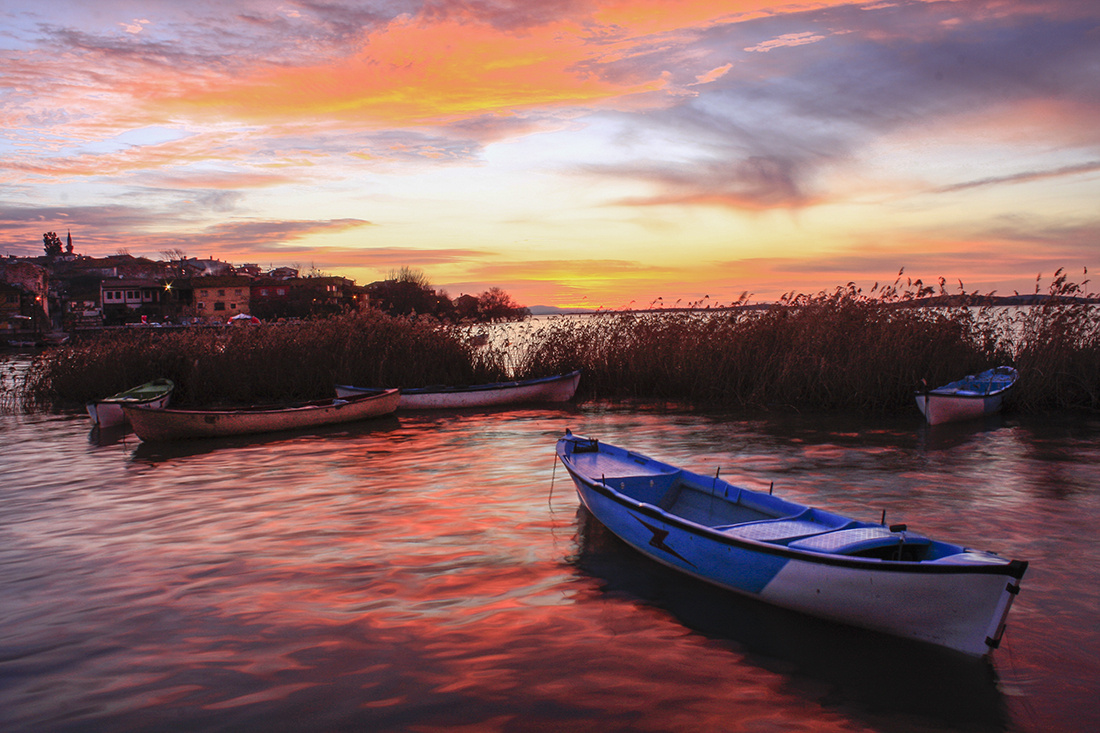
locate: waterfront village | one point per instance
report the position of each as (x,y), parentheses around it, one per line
(64,293)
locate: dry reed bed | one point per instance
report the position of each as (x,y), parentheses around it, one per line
(843,350)
(261,364)
(840,350)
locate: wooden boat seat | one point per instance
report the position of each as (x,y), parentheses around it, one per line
(857,539)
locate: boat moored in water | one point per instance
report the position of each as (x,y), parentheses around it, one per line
(174,424)
(862,574)
(970,397)
(558,388)
(107,413)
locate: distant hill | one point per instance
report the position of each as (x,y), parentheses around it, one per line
(937,301)
(553,310)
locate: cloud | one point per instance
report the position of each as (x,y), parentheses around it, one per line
(253,233)
(217,180)
(504,15)
(759,182)
(1024,177)
(785,41)
(135,26)
(769,130)
(713,74)
(185,129)
(411,72)
(392,258)
(144,228)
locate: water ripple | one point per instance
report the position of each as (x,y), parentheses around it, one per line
(432,572)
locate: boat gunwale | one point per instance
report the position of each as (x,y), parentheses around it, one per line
(328,402)
(1011,568)
(946,390)
(164,386)
(491,386)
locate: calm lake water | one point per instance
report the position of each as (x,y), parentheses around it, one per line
(432,572)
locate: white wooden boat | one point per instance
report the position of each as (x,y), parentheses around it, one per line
(559,388)
(173,424)
(107,413)
(967,398)
(886,579)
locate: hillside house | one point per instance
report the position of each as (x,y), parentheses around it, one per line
(218,298)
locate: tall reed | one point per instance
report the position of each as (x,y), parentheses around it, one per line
(837,350)
(844,349)
(265,363)
(1058,349)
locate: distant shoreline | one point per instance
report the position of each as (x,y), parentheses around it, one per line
(938,301)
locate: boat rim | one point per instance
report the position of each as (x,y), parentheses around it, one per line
(321,403)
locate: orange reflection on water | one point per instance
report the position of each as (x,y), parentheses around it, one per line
(418,574)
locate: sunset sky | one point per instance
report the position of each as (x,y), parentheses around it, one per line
(572,152)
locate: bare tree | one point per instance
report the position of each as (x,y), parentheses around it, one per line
(412,276)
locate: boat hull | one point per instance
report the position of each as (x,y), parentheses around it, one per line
(942,408)
(559,388)
(969,398)
(108,413)
(168,424)
(960,602)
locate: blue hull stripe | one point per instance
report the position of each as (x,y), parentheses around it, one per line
(745,569)
(609,507)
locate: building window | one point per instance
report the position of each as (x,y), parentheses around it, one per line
(280,291)
(221,292)
(263,292)
(202,306)
(219,306)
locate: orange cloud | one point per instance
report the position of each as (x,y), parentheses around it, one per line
(414,72)
(660,16)
(419,70)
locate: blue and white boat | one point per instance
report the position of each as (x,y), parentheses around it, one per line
(972,396)
(886,579)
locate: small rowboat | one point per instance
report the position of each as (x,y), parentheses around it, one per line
(107,413)
(173,424)
(886,579)
(560,388)
(967,398)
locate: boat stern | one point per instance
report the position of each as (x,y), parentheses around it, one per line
(997,626)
